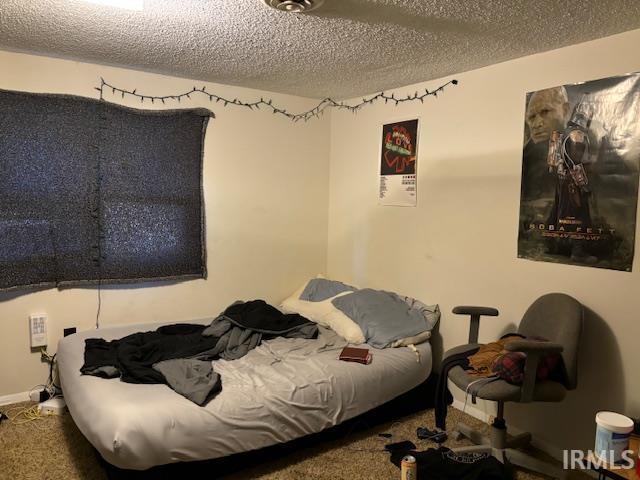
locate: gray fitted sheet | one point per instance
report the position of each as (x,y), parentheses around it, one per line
(282,390)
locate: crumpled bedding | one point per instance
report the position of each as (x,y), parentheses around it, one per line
(284,389)
(180,355)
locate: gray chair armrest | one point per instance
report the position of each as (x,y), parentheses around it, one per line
(534,351)
(468,310)
(531,346)
(475,313)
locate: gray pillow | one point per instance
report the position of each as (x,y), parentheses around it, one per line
(384,317)
(320,289)
(431,313)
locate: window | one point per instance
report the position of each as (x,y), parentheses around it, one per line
(93,192)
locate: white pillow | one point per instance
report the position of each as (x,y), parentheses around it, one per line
(325,314)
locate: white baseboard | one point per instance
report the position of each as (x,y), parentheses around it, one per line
(14,398)
(475,412)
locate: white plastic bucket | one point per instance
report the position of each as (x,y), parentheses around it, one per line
(612,436)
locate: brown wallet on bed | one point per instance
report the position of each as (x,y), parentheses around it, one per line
(353,354)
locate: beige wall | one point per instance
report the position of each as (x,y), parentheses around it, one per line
(459,245)
(265,180)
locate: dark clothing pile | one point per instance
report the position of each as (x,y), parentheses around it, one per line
(180,355)
(443,464)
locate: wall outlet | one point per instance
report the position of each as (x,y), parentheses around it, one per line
(38,330)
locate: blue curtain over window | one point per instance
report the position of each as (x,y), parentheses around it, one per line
(94,192)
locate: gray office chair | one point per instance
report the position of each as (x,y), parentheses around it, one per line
(555,317)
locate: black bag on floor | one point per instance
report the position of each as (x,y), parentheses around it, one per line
(443,464)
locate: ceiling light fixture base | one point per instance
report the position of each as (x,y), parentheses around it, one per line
(294,6)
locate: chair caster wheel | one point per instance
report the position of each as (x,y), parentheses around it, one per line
(457,435)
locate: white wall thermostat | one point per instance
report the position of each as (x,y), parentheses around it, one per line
(38,330)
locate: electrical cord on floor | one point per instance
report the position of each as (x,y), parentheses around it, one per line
(30,414)
(381,436)
(24,415)
(369,450)
(355,449)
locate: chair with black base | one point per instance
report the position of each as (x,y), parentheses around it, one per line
(555,317)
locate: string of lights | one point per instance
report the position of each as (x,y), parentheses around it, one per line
(418,96)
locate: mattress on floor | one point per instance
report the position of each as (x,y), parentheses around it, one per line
(282,390)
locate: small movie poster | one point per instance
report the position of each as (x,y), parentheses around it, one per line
(580,163)
(398,164)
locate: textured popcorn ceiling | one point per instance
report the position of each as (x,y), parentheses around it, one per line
(343,49)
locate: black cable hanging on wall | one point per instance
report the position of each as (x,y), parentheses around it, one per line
(314,112)
(96,212)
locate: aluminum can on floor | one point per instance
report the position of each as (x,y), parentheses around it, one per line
(408,468)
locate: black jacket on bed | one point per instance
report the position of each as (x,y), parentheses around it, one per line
(180,355)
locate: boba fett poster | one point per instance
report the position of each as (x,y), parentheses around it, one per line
(580,162)
(398,164)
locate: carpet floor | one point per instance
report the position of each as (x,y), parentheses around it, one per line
(53,448)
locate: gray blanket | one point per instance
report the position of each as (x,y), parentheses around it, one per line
(195,378)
